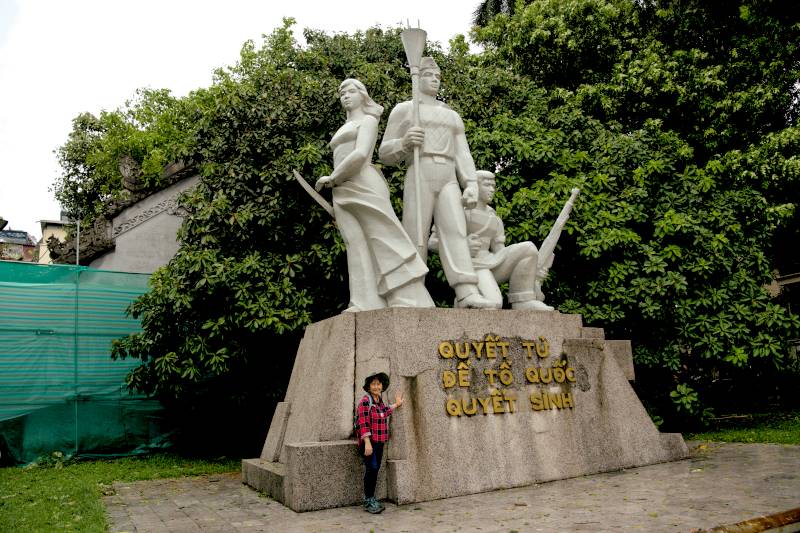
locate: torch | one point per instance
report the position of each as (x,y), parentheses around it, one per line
(414,44)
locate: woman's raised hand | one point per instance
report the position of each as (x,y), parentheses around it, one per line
(398,399)
(324,181)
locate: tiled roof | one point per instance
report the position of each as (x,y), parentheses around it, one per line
(16,237)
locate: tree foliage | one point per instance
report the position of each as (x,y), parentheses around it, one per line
(689,169)
(683,143)
(258,260)
(153,129)
(488,9)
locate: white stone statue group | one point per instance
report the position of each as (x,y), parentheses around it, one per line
(442,189)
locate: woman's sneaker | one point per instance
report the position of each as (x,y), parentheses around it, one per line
(374,506)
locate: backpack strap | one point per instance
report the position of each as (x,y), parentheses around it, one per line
(371,405)
(355,418)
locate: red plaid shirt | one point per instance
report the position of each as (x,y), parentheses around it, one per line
(373,422)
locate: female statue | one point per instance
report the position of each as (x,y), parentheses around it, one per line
(384,267)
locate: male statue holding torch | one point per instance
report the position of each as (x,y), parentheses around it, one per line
(445,166)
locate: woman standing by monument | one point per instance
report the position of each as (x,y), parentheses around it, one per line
(373,433)
(384,267)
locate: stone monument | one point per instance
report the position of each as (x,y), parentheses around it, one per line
(493,398)
(522,265)
(384,268)
(429,137)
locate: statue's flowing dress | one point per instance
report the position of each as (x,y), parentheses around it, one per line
(380,255)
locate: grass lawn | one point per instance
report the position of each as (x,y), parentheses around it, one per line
(68,496)
(778,428)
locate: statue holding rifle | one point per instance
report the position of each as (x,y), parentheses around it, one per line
(429,137)
(521,264)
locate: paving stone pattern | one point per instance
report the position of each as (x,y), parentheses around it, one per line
(720,484)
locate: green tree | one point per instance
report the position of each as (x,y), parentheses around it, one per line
(670,244)
(152,130)
(690,175)
(488,9)
(257,261)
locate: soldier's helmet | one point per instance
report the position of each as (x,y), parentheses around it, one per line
(428,63)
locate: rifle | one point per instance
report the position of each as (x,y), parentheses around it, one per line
(546,254)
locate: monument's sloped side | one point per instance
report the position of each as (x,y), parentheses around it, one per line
(321,385)
(493,399)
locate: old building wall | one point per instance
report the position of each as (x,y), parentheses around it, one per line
(145,234)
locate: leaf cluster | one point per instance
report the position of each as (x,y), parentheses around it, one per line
(683,143)
(677,120)
(153,130)
(258,260)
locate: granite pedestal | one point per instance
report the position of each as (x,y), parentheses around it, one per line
(493,400)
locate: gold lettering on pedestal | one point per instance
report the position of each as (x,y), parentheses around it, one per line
(453,407)
(484,405)
(477,347)
(463,374)
(548,379)
(446,349)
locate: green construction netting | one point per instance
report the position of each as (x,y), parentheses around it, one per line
(59,388)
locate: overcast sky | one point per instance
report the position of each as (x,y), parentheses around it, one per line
(59,58)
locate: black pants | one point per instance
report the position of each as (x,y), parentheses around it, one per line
(372,463)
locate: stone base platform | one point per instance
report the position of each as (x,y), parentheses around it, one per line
(330,473)
(493,399)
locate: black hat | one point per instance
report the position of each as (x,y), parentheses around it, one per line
(382,376)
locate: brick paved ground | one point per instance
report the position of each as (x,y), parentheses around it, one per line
(720,484)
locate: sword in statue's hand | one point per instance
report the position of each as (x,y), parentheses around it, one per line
(314,194)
